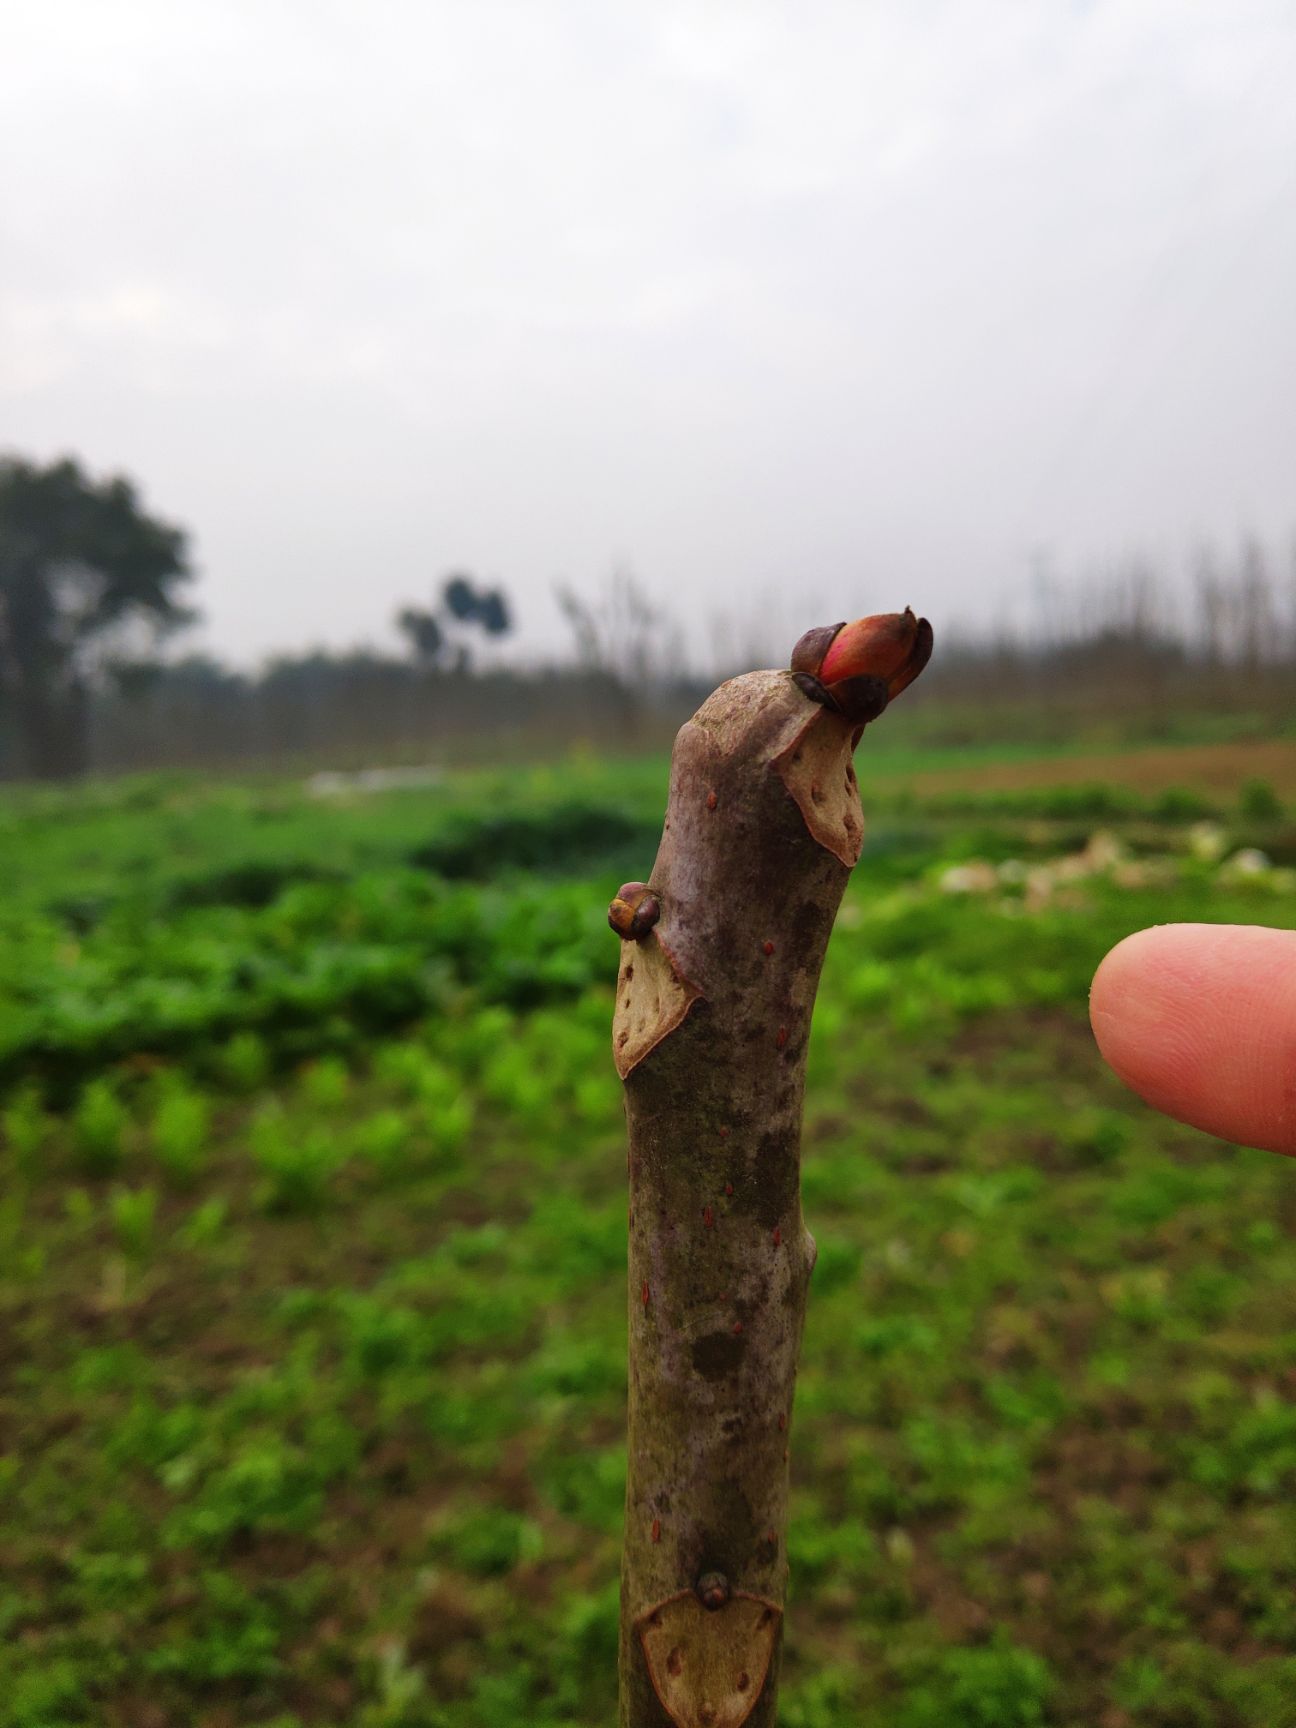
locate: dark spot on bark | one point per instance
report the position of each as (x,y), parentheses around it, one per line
(767,948)
(629,973)
(744,1681)
(712,800)
(773,1196)
(807,927)
(718,1354)
(675,1661)
(708,1218)
(737,1326)
(728,1187)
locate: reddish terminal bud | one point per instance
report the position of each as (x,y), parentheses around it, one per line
(877,647)
(712,1590)
(858,668)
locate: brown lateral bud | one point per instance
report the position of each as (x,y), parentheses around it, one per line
(634,911)
(858,668)
(712,1590)
(809,652)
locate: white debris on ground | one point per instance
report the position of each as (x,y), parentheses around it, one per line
(1207,841)
(976,877)
(1145,873)
(1250,861)
(1055,880)
(334,784)
(1102,853)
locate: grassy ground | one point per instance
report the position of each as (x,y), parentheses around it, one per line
(312,1268)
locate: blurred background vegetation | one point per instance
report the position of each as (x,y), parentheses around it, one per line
(312,1185)
(93,676)
(329,342)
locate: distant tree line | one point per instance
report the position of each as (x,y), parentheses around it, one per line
(1130,641)
(349,709)
(91,585)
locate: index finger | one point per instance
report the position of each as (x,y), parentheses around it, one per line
(1200,1020)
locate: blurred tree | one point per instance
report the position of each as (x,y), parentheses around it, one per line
(460,597)
(626,637)
(425,635)
(87,584)
(431,633)
(625,633)
(467,604)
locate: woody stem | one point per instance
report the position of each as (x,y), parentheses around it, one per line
(713,1018)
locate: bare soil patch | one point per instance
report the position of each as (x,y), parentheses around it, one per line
(1219,769)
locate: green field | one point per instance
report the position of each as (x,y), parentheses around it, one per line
(312,1269)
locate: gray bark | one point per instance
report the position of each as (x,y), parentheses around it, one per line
(712,1022)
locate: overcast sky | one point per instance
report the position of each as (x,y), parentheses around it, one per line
(795,309)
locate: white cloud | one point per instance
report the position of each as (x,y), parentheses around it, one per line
(747,293)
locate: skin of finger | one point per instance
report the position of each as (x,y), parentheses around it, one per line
(1200,1021)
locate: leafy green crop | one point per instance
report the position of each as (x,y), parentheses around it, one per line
(312,1249)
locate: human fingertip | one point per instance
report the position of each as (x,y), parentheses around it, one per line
(1200,1021)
